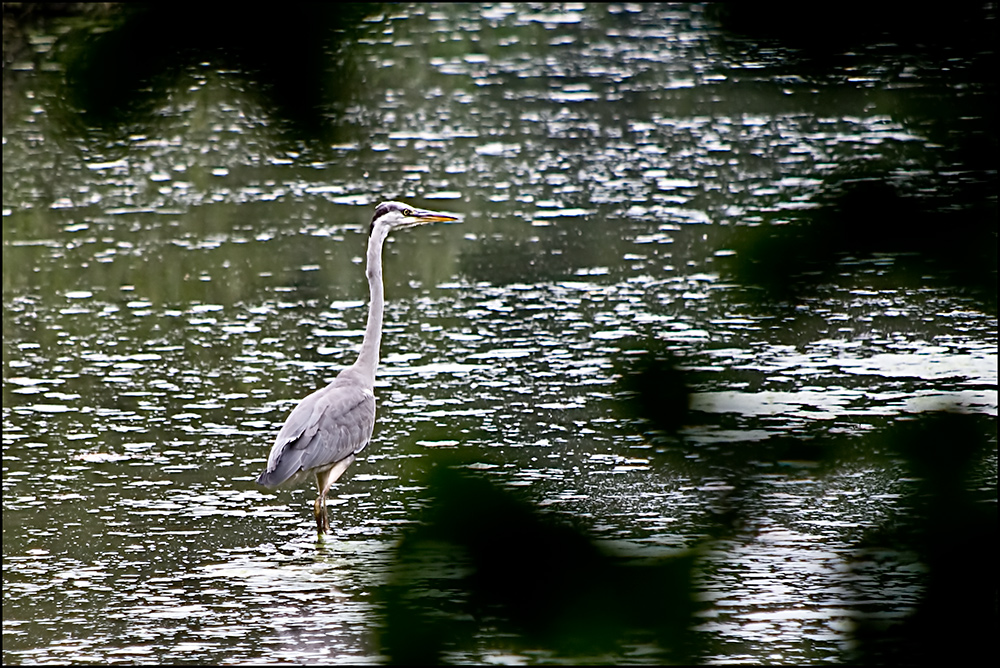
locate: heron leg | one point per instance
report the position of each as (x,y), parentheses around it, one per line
(324,479)
(322,519)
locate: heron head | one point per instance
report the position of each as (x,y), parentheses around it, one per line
(397,215)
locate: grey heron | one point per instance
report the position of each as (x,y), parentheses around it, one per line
(326,430)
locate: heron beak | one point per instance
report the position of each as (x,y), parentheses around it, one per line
(421,217)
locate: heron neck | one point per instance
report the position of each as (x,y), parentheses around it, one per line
(368,357)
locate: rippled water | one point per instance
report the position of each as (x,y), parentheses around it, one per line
(171,293)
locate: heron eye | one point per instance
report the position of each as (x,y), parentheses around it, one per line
(407,212)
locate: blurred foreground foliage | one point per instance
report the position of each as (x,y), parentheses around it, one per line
(117,76)
(953,236)
(951,533)
(482,558)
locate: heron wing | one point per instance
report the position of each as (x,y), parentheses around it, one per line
(329,425)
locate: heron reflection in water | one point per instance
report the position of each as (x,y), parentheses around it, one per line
(326,430)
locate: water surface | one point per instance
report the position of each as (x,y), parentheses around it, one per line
(173,287)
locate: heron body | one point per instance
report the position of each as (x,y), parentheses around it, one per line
(326,430)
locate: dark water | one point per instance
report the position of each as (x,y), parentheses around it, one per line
(173,284)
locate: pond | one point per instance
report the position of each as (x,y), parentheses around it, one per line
(603,348)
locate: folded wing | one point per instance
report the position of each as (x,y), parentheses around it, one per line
(326,427)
